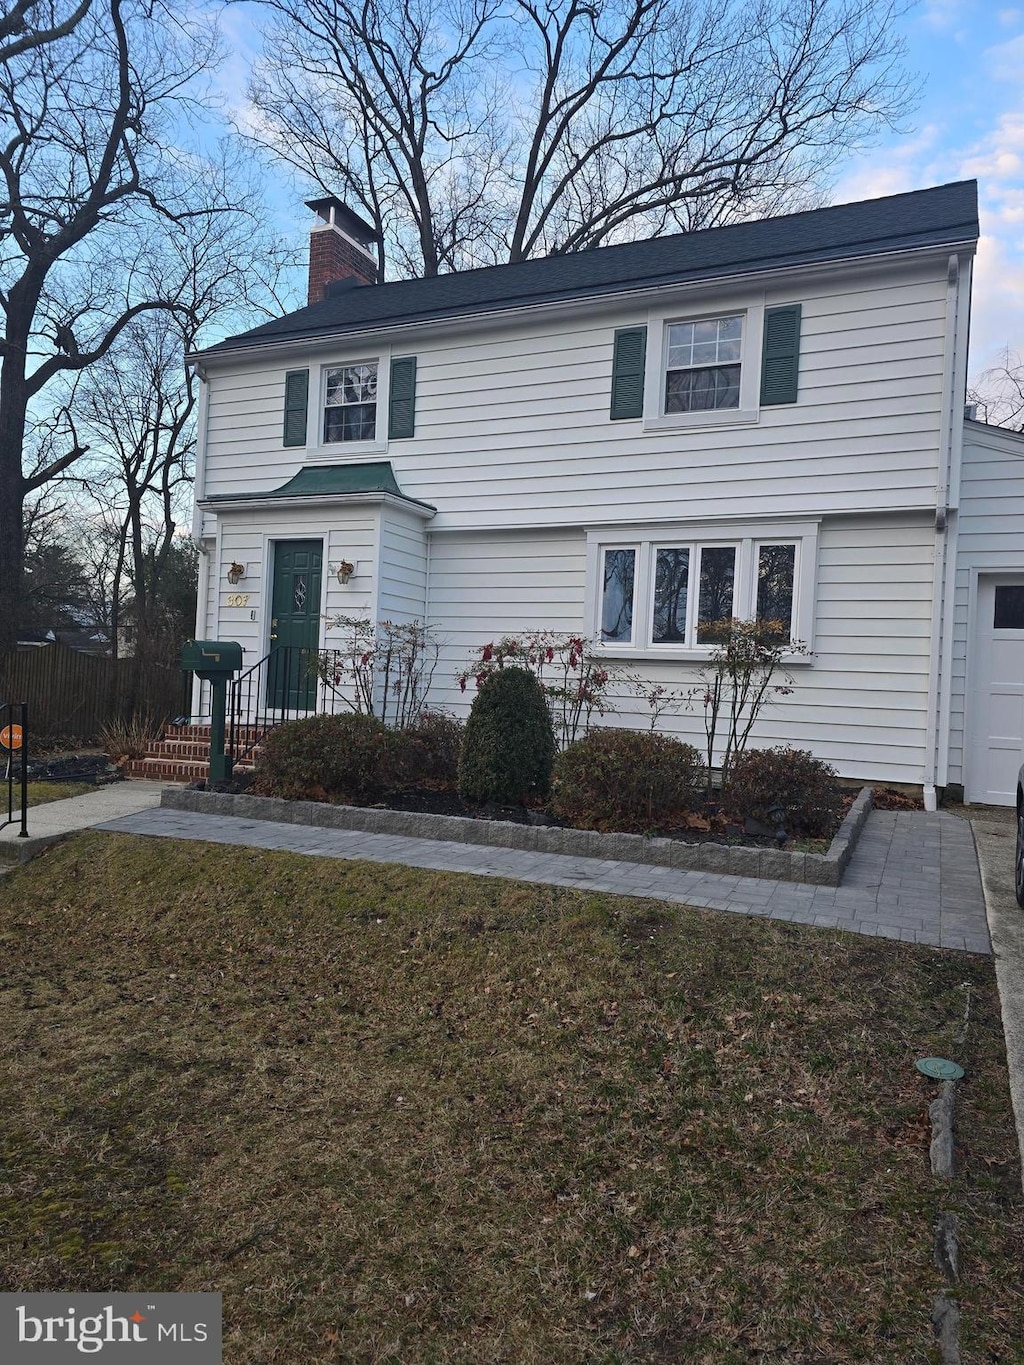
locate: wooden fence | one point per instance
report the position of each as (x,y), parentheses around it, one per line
(73,694)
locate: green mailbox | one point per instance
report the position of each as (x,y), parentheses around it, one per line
(215,662)
(212,659)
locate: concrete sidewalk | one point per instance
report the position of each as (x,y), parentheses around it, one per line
(994,832)
(49,823)
(913,876)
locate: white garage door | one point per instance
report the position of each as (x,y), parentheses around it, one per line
(997,746)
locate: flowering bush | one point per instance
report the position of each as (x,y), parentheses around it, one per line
(744,674)
(574,681)
(382,670)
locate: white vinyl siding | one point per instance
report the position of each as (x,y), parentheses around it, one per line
(403,566)
(861,704)
(512,418)
(246,536)
(990,539)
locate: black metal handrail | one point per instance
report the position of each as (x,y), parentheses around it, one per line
(284,685)
(14,755)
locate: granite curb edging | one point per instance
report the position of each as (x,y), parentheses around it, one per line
(814,869)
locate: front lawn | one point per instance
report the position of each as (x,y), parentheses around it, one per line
(41,793)
(404,1116)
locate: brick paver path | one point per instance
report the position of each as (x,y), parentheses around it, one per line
(913,876)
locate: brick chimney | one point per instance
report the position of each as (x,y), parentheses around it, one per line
(341,247)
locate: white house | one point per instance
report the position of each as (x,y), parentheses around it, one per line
(766,418)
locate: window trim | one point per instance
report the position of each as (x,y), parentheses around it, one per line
(747,537)
(318,448)
(751,311)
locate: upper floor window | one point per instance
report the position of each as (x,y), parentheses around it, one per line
(350,403)
(706,371)
(702,371)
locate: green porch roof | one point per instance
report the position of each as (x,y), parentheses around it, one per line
(320,481)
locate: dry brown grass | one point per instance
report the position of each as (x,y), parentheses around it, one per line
(41,793)
(402,1116)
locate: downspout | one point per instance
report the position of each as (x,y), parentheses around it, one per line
(950,439)
(952,549)
(199,486)
(198,489)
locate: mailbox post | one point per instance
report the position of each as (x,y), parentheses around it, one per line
(215,662)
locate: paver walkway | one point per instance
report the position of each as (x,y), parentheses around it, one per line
(913,876)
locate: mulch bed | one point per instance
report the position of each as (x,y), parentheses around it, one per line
(709,825)
(92,768)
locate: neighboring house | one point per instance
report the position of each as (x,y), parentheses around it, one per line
(766,418)
(84,639)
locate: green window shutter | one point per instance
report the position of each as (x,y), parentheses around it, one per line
(780,359)
(402,399)
(296,396)
(628,372)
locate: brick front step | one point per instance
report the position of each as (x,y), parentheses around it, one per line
(174,769)
(183,753)
(167,769)
(201,733)
(179,749)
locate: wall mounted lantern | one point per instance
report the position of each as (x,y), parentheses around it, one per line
(236,572)
(345,571)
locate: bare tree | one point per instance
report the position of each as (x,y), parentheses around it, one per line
(999,393)
(135,409)
(92,99)
(481,131)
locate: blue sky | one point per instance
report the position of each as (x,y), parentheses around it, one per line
(969,124)
(969,57)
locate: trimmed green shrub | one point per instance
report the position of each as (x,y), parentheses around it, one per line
(509,744)
(804,786)
(349,757)
(441,736)
(627,780)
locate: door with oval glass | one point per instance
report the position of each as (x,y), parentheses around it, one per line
(295,625)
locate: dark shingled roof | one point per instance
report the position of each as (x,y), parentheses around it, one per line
(945,215)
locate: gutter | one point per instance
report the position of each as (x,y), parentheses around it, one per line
(301,342)
(264,501)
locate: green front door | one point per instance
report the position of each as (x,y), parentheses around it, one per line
(295,625)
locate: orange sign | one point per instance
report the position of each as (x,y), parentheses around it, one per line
(10,737)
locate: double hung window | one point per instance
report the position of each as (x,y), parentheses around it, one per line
(719,369)
(350,403)
(702,370)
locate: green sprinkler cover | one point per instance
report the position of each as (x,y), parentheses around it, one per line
(939,1069)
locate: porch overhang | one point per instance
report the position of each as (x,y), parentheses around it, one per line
(326,486)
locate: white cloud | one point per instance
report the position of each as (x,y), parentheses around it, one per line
(996,159)
(942,14)
(997,315)
(906,165)
(1004,61)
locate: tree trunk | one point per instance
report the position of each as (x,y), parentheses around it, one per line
(13,407)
